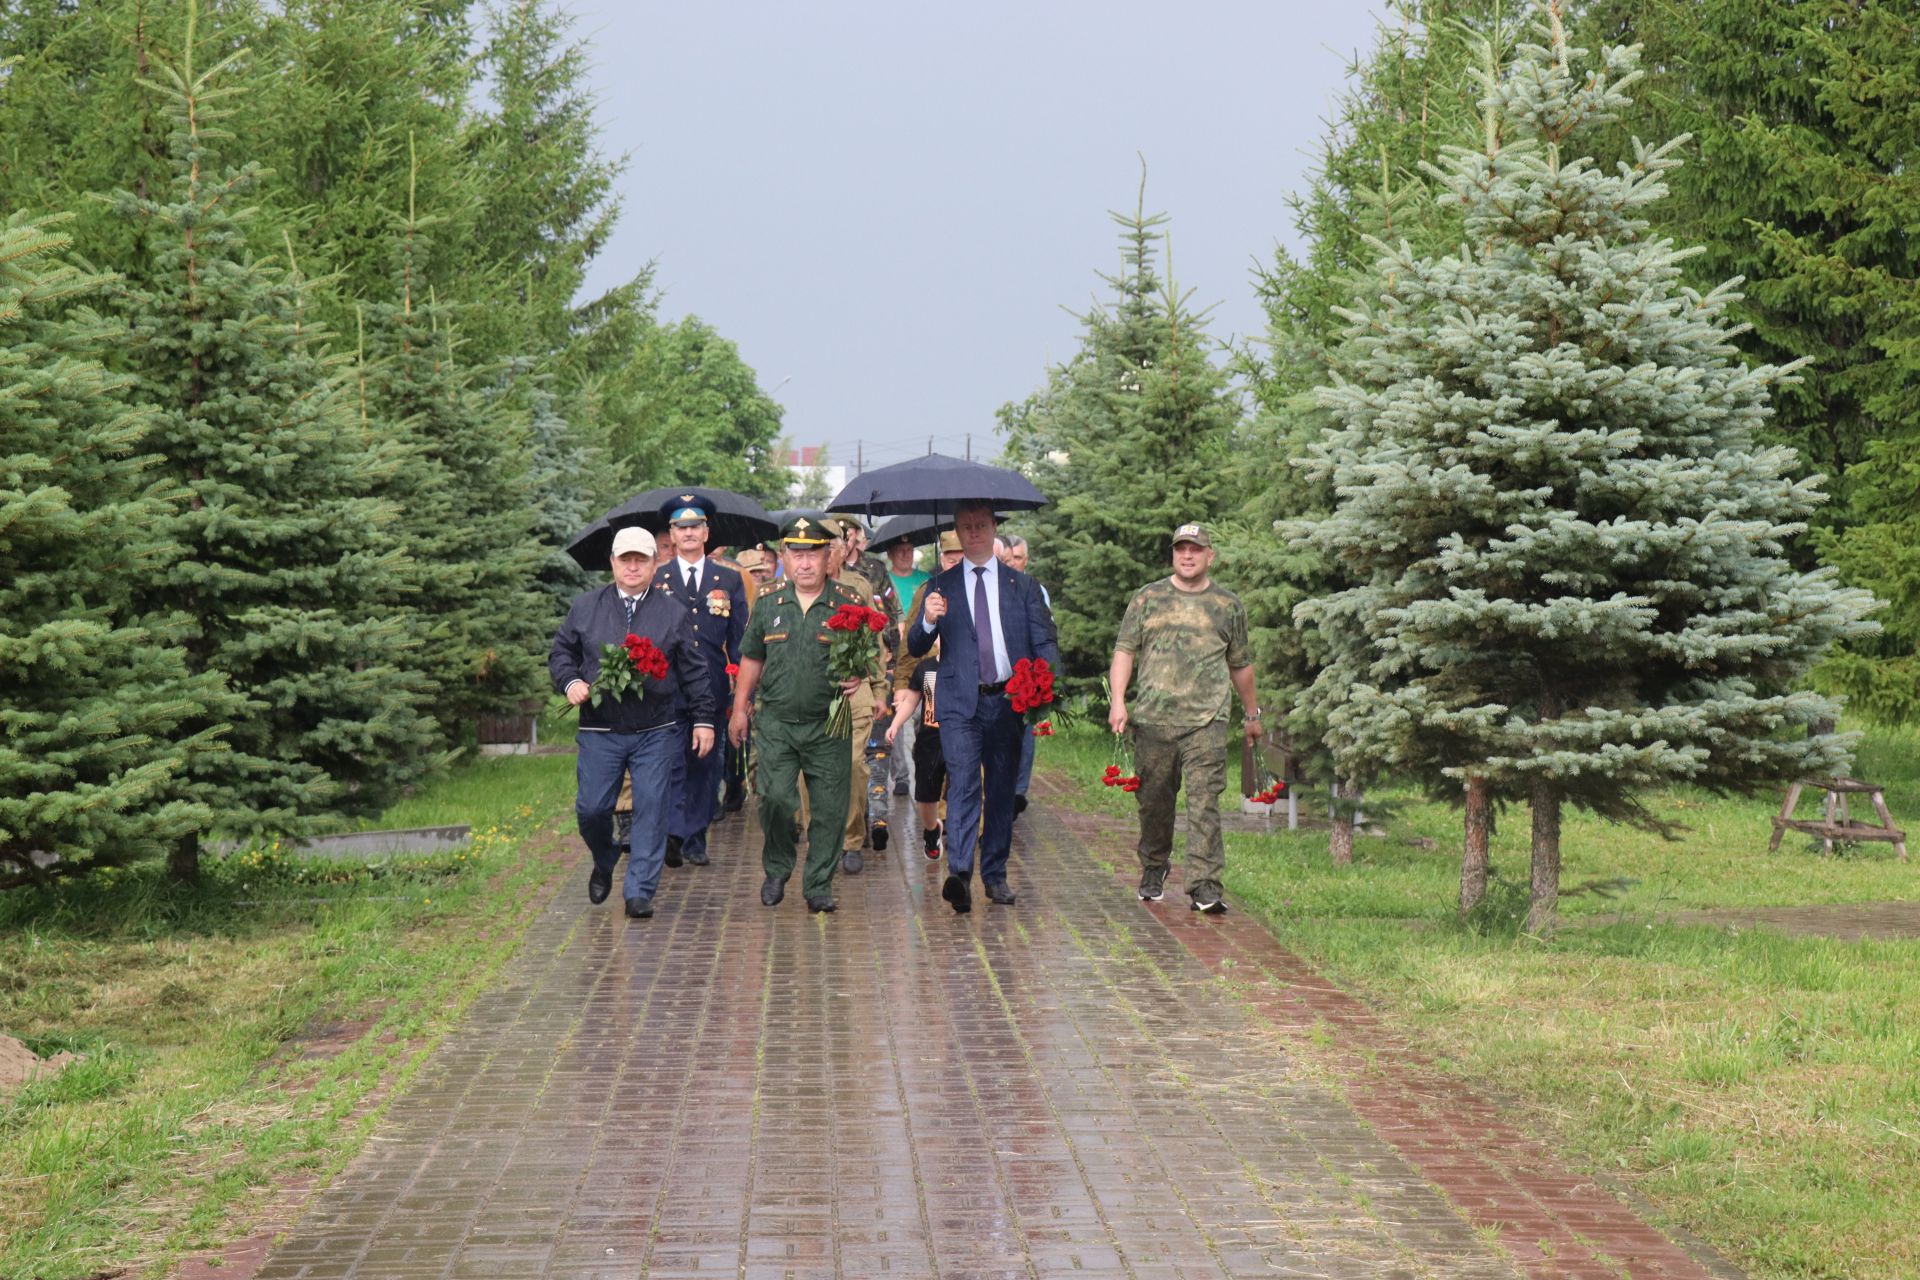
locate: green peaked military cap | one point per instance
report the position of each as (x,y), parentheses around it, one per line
(805,531)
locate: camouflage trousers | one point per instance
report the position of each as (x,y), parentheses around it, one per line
(1167,758)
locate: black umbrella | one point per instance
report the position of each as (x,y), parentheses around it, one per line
(915,531)
(737,520)
(592,547)
(936,484)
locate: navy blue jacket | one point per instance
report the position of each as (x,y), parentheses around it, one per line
(1026,624)
(718,617)
(598,618)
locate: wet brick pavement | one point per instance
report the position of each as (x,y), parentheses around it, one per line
(1076,1085)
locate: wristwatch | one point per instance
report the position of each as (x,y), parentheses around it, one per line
(1251,713)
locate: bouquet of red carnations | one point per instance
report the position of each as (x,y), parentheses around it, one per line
(626,667)
(850,656)
(1031,689)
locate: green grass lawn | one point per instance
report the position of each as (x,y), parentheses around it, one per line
(1761,1090)
(191,1006)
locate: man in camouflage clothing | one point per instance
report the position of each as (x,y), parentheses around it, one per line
(1188,640)
(868,801)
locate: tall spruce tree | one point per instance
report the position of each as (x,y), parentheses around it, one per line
(1807,185)
(96,703)
(1130,439)
(285,556)
(463,489)
(561,479)
(1405,98)
(1570,548)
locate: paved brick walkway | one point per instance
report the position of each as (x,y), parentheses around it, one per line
(1076,1085)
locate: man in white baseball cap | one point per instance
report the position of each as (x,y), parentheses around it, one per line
(634,733)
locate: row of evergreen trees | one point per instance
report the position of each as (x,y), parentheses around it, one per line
(1528,495)
(298,402)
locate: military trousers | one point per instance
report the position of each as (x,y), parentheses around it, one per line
(1167,758)
(784,752)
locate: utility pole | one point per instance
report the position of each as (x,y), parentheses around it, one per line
(969,446)
(929,446)
(859,456)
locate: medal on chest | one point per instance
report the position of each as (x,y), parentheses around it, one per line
(719,603)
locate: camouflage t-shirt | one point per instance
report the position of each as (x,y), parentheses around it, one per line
(1183,645)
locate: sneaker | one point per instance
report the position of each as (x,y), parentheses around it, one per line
(1153,884)
(852,863)
(930,837)
(899,788)
(880,834)
(1210,906)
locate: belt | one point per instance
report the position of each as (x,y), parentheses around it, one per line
(993,690)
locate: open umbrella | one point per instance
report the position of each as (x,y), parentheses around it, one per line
(737,520)
(914,530)
(935,484)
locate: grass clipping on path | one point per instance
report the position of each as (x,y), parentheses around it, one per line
(1761,1090)
(188,1008)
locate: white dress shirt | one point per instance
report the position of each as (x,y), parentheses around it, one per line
(694,569)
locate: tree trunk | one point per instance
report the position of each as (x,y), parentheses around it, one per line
(183,860)
(1473,861)
(1340,837)
(1541,910)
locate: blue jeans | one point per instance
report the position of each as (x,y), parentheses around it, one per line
(604,758)
(983,760)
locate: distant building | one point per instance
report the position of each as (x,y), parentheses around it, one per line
(815,480)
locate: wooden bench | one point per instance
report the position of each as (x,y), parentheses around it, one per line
(1837,824)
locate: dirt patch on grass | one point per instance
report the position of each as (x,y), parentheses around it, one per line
(19,1064)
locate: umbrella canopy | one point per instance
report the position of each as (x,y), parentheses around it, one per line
(915,531)
(936,484)
(736,519)
(592,547)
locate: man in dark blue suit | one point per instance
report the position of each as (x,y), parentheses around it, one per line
(716,602)
(986,617)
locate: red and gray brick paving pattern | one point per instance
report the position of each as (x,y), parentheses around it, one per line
(1076,1085)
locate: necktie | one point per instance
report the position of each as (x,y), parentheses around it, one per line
(693,579)
(632,602)
(983,628)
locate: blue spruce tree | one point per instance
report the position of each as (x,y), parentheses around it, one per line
(1567,545)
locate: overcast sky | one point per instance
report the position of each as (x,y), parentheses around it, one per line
(887,205)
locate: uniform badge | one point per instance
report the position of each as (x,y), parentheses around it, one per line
(719,603)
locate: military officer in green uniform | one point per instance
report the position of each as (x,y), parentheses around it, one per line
(783,674)
(1186,638)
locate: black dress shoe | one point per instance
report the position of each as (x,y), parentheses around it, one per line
(997,891)
(639,908)
(880,835)
(697,858)
(736,798)
(673,851)
(772,891)
(821,904)
(955,891)
(1019,804)
(899,788)
(852,863)
(599,885)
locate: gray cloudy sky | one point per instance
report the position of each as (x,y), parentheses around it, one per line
(887,204)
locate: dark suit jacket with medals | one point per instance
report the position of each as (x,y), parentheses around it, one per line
(717,612)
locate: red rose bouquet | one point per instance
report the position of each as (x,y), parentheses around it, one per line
(1031,689)
(626,667)
(851,655)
